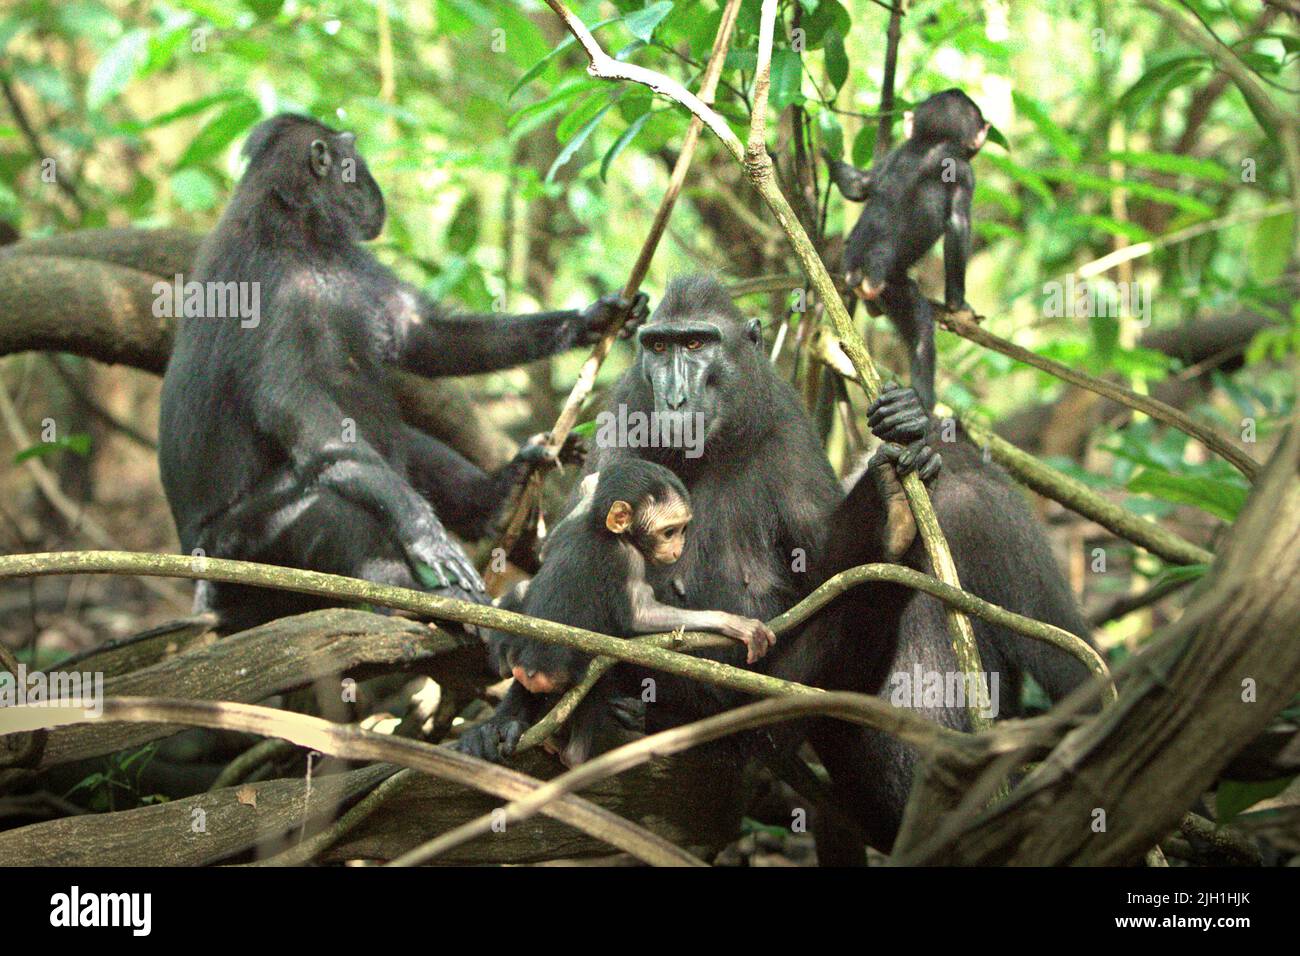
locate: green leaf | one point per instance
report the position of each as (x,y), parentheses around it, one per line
(832,134)
(1170,197)
(194,190)
(585,430)
(787,78)
(575,144)
(1172,163)
(116,68)
(1025,177)
(996,136)
(864,145)
(581,114)
(566,91)
(641,23)
(1271,248)
(837,61)
(538,68)
(1159,80)
(1061,141)
(462,231)
(1219,498)
(180,112)
(220,132)
(620,144)
(1181,572)
(829,15)
(265,9)
(78,444)
(1129,230)
(1233,796)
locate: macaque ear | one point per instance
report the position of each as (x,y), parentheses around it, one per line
(909,121)
(619,518)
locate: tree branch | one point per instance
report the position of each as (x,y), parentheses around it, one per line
(353,743)
(968,329)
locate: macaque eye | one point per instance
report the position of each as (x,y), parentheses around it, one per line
(695,345)
(660,347)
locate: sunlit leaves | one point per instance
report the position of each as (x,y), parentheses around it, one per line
(642,23)
(787,74)
(1271,247)
(1158,81)
(825,16)
(1062,143)
(622,142)
(220,132)
(832,135)
(1091,182)
(837,61)
(116,68)
(1172,163)
(1222,499)
(579,138)
(77,443)
(194,189)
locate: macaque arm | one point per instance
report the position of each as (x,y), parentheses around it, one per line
(956,239)
(649,616)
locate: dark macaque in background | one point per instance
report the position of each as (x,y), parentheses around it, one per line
(772,523)
(920,191)
(634,516)
(279,441)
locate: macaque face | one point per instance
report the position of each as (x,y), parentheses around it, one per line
(656,526)
(666,538)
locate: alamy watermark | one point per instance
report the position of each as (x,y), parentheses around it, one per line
(1085,299)
(83,689)
(179,299)
(920,688)
(638,429)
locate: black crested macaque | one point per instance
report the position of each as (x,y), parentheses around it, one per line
(921,191)
(279,441)
(772,522)
(634,516)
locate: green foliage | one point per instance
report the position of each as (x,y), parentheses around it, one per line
(145,106)
(78,444)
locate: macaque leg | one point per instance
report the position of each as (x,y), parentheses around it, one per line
(910,313)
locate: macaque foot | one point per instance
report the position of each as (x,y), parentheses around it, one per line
(493,740)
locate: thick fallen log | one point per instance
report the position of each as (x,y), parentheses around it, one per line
(144,649)
(683,800)
(284,655)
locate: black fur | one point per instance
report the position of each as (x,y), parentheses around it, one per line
(279,440)
(921,191)
(763,488)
